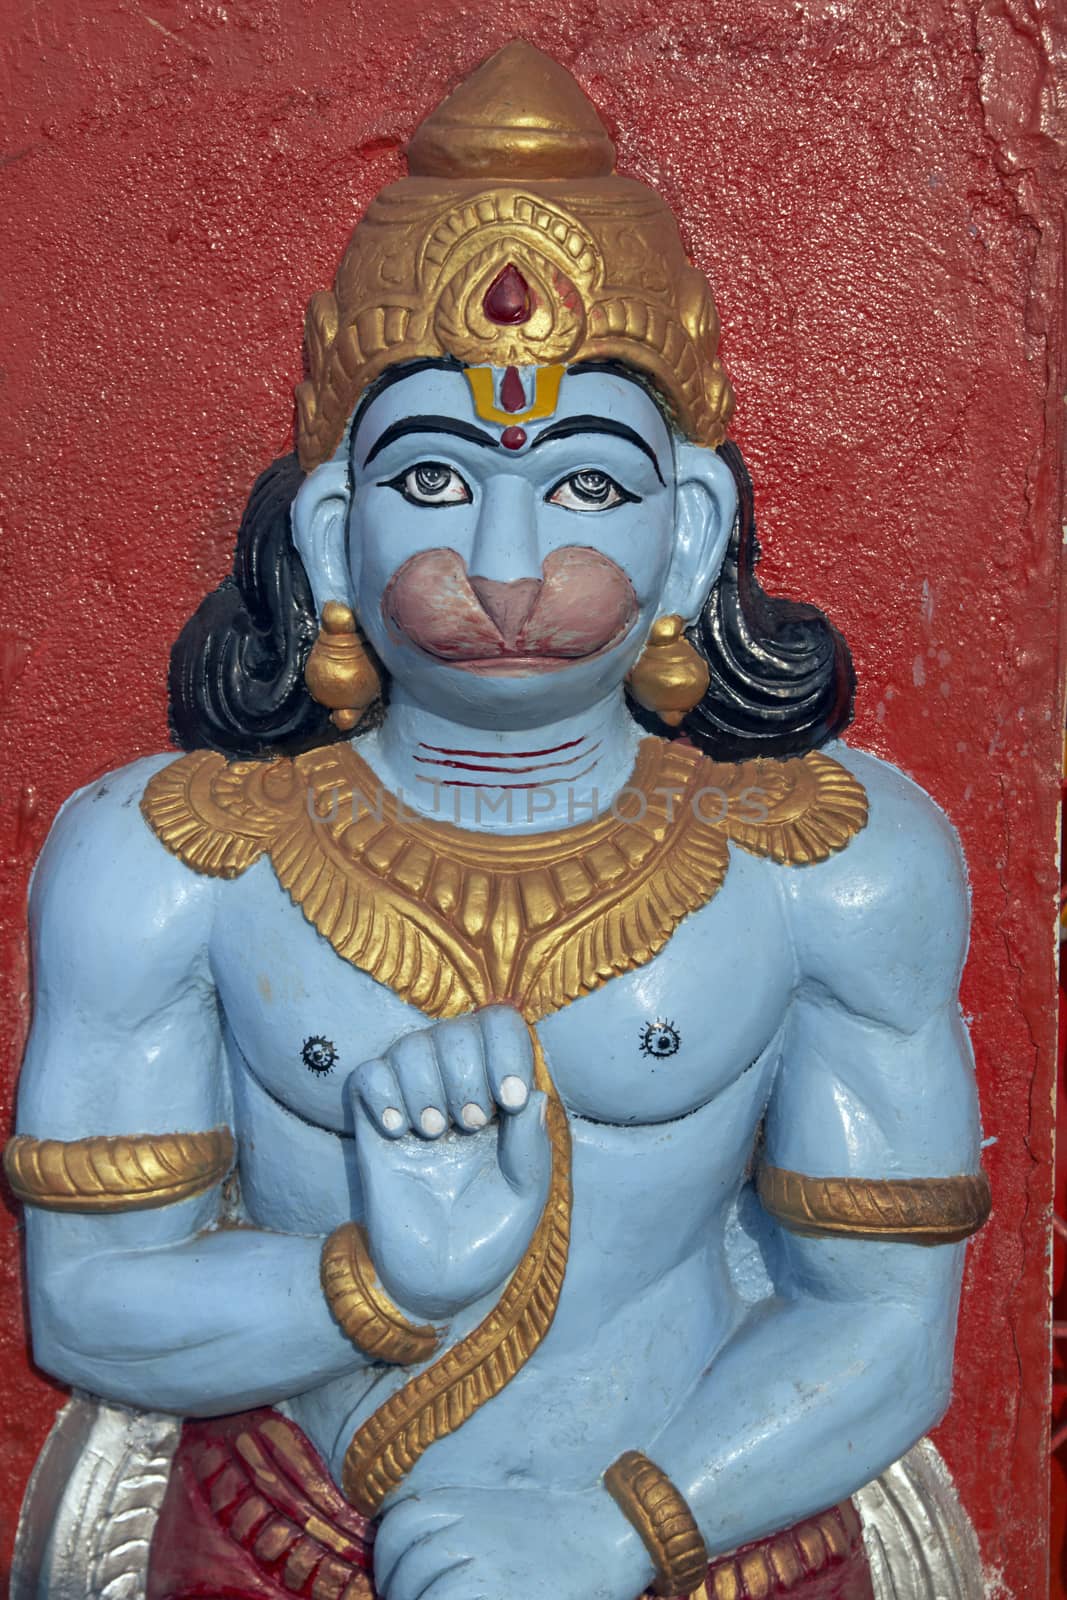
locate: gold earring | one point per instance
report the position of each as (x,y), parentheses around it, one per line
(669,677)
(339,672)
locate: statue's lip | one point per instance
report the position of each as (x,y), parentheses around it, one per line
(518,661)
(518,665)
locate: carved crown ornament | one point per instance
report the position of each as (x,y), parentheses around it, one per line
(513,242)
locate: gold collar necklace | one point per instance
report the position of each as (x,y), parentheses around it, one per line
(451,919)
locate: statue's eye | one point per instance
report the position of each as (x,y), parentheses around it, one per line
(589,491)
(431,483)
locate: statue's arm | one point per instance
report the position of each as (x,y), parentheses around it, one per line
(850,1363)
(158,1308)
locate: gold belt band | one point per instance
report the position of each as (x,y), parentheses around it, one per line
(361,1306)
(653,1506)
(896,1210)
(109,1173)
(441,1399)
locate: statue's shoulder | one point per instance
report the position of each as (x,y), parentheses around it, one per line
(905,826)
(887,917)
(121,935)
(102,873)
(107,811)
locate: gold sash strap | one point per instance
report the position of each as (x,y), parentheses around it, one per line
(107,1173)
(896,1210)
(361,1306)
(441,1399)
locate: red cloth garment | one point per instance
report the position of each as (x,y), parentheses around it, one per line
(822,1558)
(251,1513)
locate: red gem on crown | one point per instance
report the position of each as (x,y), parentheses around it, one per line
(507,299)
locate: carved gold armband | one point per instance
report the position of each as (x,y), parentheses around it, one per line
(897,1210)
(361,1306)
(107,1173)
(649,1501)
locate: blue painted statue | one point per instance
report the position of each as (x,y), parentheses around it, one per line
(498,1119)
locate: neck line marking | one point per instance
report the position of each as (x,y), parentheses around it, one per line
(543,766)
(463,783)
(509,755)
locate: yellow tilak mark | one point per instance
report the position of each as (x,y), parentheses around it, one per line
(546,396)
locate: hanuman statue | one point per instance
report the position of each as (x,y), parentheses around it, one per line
(497,1119)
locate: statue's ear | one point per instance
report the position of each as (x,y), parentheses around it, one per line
(705,509)
(320,520)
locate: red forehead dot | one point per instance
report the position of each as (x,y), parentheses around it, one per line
(507,299)
(513,438)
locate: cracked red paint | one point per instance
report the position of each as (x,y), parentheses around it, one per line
(872,189)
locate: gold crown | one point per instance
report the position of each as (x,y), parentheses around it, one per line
(512,242)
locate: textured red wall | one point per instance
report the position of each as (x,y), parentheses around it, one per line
(872,189)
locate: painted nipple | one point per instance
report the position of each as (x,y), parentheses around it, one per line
(507,299)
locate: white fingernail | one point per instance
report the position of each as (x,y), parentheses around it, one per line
(472,1116)
(392,1119)
(432,1122)
(513,1093)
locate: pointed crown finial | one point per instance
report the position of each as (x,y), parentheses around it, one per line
(519,115)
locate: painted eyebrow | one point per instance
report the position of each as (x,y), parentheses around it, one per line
(618,430)
(461,430)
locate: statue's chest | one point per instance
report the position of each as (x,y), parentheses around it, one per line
(648,1045)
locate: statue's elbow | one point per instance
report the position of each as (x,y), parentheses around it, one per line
(938,1393)
(57,1348)
(73,1345)
(921,1375)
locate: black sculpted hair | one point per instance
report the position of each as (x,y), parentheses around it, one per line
(237,667)
(781,674)
(782,680)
